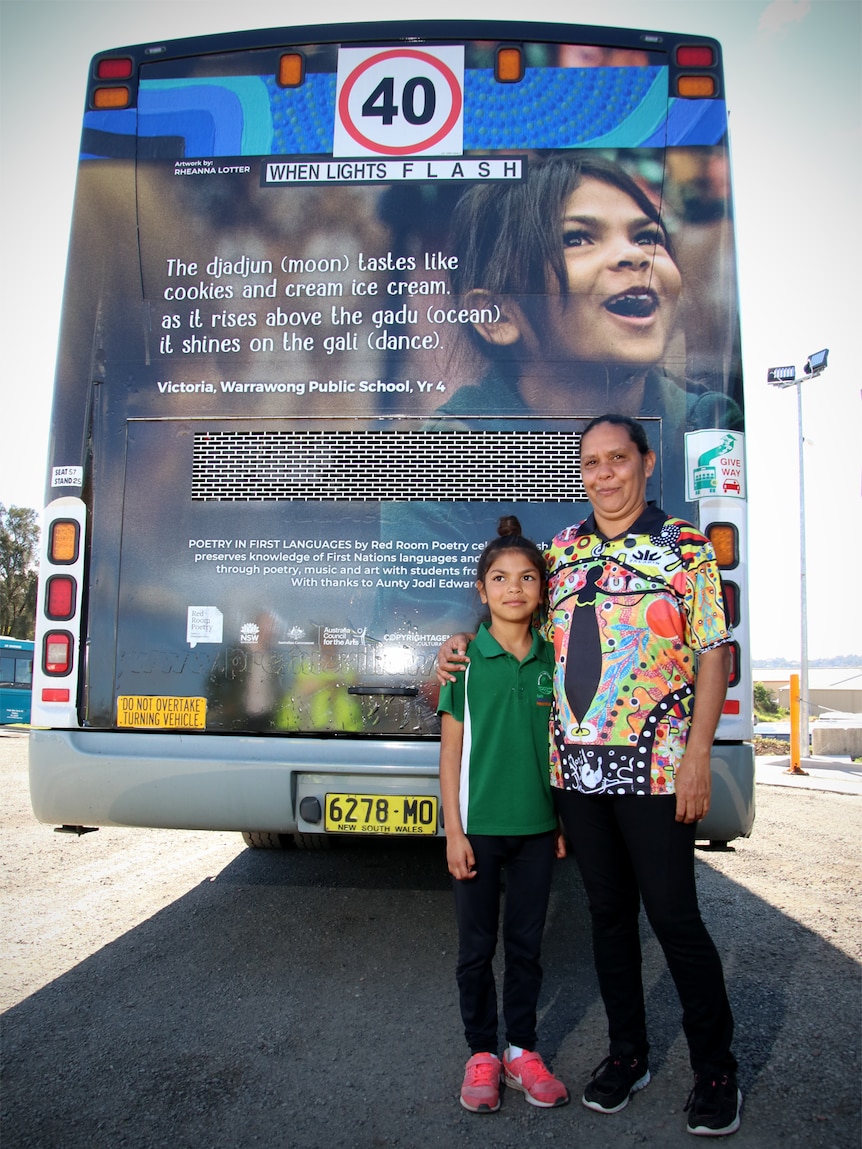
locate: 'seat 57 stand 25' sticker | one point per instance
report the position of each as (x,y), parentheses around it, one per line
(399,102)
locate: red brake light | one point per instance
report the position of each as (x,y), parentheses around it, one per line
(60,597)
(731,602)
(55,694)
(695,56)
(114,68)
(734,675)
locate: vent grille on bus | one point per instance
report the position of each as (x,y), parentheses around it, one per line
(488,466)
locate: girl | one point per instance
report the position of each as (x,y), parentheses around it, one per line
(498,811)
(573,276)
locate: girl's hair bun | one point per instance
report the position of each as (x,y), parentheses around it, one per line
(509,525)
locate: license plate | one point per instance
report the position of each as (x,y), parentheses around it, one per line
(380,814)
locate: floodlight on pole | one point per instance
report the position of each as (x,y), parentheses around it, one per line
(786,377)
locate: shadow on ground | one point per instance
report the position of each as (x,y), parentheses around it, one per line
(307,999)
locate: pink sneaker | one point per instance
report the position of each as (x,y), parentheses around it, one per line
(480,1092)
(529,1074)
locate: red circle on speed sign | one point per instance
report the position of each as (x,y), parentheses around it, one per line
(407,149)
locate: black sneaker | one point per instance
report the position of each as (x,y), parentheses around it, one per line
(614,1081)
(713,1105)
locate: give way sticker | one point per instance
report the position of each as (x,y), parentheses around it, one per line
(399,101)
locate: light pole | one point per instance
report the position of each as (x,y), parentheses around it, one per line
(786,377)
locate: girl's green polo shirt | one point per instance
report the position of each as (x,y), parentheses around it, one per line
(505,706)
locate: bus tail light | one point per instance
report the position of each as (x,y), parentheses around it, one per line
(119,97)
(60,597)
(63,541)
(695,56)
(509,67)
(731,602)
(61,593)
(734,673)
(55,694)
(695,72)
(728,540)
(696,87)
(291,70)
(57,652)
(108,71)
(725,542)
(114,68)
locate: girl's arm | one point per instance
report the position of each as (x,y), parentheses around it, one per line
(560,848)
(459,852)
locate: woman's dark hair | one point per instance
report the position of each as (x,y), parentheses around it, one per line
(507,235)
(510,538)
(637,434)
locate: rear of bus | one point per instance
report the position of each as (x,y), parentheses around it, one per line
(276,453)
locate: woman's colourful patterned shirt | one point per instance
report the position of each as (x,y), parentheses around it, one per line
(627,618)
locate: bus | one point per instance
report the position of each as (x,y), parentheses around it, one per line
(16,679)
(321,329)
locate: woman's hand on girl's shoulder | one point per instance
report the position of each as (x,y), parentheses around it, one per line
(452,657)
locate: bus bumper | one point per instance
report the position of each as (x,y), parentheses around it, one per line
(209,782)
(731,810)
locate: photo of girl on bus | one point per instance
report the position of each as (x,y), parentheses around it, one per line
(575,280)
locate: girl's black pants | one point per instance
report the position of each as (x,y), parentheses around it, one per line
(528,863)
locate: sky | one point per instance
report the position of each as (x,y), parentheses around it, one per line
(793,74)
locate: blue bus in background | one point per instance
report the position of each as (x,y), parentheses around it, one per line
(16,679)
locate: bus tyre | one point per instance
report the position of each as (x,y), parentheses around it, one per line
(312,841)
(266,840)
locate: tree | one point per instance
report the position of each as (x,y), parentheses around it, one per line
(764,703)
(19,542)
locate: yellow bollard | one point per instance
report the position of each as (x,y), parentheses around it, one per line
(795,732)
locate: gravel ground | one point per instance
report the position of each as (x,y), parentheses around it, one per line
(171,988)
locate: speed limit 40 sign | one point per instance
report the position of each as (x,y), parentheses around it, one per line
(399,102)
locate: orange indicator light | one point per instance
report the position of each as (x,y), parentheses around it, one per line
(725,543)
(291,70)
(63,541)
(104,98)
(695,87)
(510,65)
